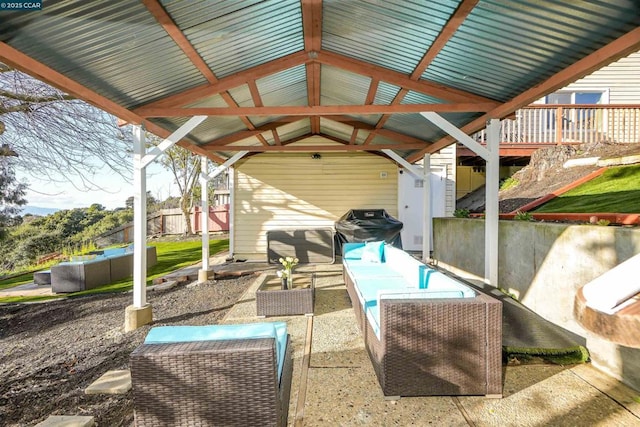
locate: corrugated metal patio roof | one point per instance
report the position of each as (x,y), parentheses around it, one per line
(269,73)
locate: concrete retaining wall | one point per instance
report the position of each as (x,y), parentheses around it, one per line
(543,265)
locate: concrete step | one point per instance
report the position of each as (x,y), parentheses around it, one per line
(67,421)
(112,382)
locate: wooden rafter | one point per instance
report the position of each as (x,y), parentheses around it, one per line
(381,122)
(449,29)
(163,18)
(229,82)
(396,78)
(276,137)
(342,147)
(312,30)
(371,94)
(244,134)
(20,61)
(615,50)
(354,136)
(312,25)
(316,110)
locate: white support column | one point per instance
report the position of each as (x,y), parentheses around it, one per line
(203,274)
(491,203)
(139,313)
(427,222)
(232,210)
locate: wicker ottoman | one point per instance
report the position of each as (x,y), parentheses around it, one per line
(230,382)
(272,300)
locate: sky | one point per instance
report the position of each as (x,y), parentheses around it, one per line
(114,193)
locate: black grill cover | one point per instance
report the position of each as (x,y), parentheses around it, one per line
(367,225)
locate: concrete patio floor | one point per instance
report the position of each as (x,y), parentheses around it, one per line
(334,383)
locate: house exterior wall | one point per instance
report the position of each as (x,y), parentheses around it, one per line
(621,79)
(294,191)
(447,158)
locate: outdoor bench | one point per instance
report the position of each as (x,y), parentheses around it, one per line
(228,375)
(426,333)
(100,268)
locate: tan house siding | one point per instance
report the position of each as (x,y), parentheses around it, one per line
(621,79)
(288,191)
(446,158)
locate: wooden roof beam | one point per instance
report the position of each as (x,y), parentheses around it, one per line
(448,30)
(169,25)
(311,148)
(376,72)
(312,25)
(317,110)
(38,70)
(234,80)
(244,134)
(164,19)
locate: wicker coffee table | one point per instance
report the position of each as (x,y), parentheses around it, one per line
(272,300)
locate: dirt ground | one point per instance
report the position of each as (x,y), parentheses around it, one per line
(50,352)
(545,174)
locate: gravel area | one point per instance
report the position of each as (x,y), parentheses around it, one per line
(50,352)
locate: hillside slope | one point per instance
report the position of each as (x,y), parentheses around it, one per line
(545,174)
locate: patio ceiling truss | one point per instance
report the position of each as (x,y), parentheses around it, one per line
(313,58)
(315,118)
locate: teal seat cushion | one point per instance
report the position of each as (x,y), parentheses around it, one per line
(361,269)
(352,250)
(373,252)
(437,281)
(174,334)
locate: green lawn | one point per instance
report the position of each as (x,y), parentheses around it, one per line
(171,256)
(615,191)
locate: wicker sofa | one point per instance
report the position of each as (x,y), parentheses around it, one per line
(99,268)
(226,375)
(426,333)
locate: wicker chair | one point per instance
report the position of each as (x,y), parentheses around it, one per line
(231,382)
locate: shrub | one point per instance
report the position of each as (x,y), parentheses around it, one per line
(523,216)
(509,183)
(461,213)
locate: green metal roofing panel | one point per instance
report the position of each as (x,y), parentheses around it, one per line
(235,35)
(110,47)
(393,34)
(288,87)
(294,130)
(336,129)
(504,48)
(339,87)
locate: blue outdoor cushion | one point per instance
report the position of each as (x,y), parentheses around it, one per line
(373,252)
(172,334)
(352,250)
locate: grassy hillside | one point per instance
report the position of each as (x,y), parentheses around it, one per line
(615,191)
(171,257)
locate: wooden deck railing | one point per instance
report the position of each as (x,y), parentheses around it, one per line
(570,124)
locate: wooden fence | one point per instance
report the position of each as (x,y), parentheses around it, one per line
(170,221)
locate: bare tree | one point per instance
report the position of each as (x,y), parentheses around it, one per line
(185,167)
(11,191)
(58,136)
